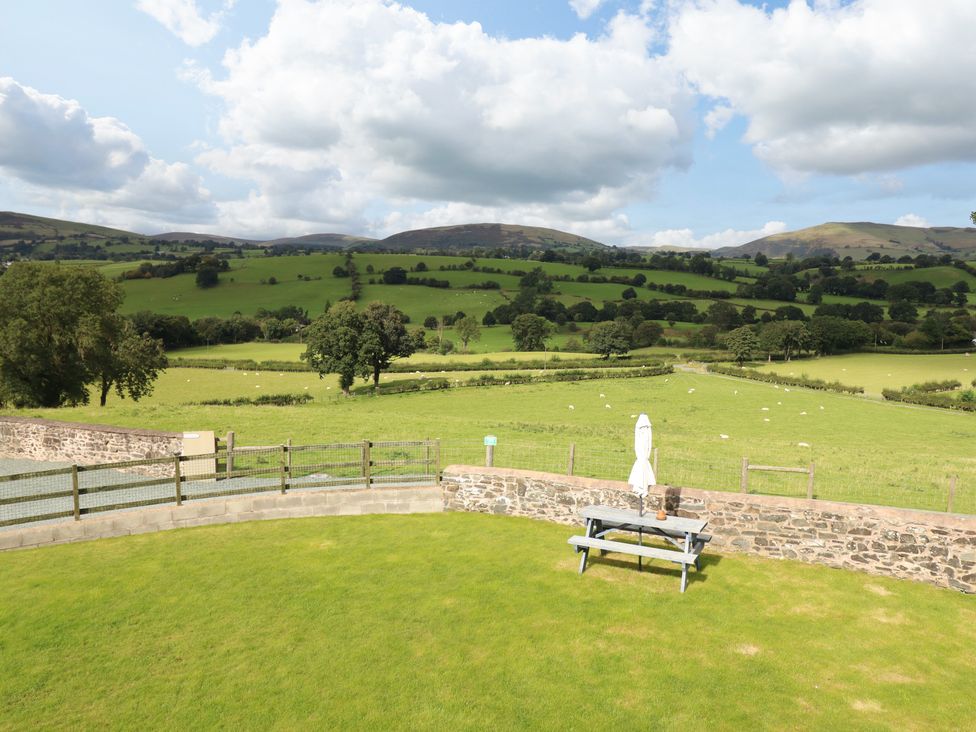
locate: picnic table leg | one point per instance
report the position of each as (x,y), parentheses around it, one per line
(586,549)
(684,567)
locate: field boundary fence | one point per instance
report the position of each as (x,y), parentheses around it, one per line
(79,490)
(945,488)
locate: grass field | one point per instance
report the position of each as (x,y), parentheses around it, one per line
(865,450)
(938,276)
(465,622)
(882,371)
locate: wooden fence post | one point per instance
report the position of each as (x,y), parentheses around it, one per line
(177,479)
(572,458)
(744,478)
(489,456)
(229,454)
(813,467)
(284,468)
(74,492)
(367,478)
(952,494)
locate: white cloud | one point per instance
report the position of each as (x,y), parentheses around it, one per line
(48,140)
(911,219)
(57,155)
(727,238)
(347,108)
(839,88)
(184,19)
(585,8)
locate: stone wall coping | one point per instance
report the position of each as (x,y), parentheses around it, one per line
(89,427)
(907,515)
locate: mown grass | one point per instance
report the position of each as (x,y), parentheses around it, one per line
(865,450)
(876,371)
(461,621)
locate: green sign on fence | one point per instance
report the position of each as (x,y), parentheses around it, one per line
(490,440)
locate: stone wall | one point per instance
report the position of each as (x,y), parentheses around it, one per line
(82,444)
(925,546)
(228,510)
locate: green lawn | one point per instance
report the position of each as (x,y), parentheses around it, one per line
(463,622)
(876,371)
(865,450)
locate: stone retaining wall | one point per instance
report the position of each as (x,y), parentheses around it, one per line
(926,546)
(229,510)
(82,444)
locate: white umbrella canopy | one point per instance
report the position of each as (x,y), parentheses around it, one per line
(642,474)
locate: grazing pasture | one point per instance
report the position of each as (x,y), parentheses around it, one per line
(865,450)
(876,371)
(463,621)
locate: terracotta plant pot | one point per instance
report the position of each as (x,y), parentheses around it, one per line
(662,515)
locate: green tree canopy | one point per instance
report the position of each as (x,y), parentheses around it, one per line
(609,337)
(530,332)
(468,329)
(350,343)
(786,336)
(60,332)
(743,343)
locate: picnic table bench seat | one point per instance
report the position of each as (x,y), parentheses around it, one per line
(626,548)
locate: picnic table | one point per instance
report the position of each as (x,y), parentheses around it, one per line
(684,534)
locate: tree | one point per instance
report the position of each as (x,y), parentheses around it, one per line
(128,361)
(743,343)
(489,319)
(333,343)
(207,277)
(384,339)
(647,333)
(430,322)
(530,332)
(788,336)
(761,259)
(60,331)
(609,337)
(467,330)
(829,334)
(903,311)
(723,315)
(629,294)
(395,276)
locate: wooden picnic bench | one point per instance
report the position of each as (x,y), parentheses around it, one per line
(683,533)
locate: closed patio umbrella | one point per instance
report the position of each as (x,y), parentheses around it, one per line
(642,474)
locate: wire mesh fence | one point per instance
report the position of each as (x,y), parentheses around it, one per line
(77,491)
(949,487)
(80,490)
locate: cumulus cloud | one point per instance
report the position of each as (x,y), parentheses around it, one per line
(837,88)
(728,238)
(347,105)
(57,155)
(184,19)
(585,8)
(51,141)
(911,219)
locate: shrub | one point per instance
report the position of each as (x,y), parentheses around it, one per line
(771,378)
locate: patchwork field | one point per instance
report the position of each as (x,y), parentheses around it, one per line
(465,622)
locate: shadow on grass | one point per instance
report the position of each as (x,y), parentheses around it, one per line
(655,567)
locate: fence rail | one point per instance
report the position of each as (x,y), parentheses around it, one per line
(80,490)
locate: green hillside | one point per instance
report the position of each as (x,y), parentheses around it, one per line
(860,239)
(487,236)
(15,227)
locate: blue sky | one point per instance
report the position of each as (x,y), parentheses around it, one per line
(686,122)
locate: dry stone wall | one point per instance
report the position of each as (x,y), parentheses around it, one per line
(920,545)
(82,444)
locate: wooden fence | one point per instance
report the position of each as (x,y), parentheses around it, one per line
(78,490)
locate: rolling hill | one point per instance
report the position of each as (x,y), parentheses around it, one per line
(15,227)
(860,239)
(487,236)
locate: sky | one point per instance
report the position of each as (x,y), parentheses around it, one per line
(700,123)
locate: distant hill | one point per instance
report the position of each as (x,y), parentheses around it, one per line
(189,236)
(860,239)
(321,241)
(15,227)
(487,236)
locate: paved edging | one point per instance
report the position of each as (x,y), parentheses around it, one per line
(261,507)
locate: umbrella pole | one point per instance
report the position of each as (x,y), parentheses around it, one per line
(640,538)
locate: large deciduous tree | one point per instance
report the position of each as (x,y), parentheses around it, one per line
(609,337)
(468,329)
(742,343)
(530,332)
(350,343)
(60,332)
